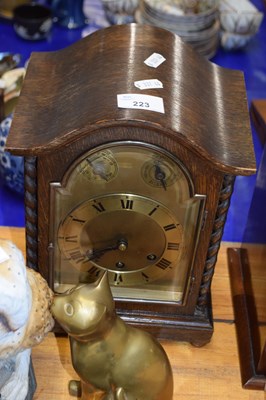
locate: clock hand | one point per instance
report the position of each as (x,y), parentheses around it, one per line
(92,254)
(160,175)
(120,245)
(98,169)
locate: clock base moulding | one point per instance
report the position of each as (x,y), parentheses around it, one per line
(196,329)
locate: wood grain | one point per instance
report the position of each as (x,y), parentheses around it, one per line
(249,295)
(207,373)
(205,105)
(258,116)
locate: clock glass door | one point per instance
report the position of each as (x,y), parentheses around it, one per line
(129,208)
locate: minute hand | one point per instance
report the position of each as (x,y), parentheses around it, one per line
(120,245)
(91,255)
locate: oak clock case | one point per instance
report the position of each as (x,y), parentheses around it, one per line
(141,193)
(128,208)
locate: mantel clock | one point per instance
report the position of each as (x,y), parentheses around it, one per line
(131,143)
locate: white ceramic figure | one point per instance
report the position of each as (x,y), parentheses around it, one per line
(25,319)
(240,17)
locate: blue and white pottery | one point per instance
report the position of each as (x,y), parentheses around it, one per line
(11,167)
(120,11)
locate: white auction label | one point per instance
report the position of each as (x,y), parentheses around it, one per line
(140,102)
(149,84)
(3,255)
(154,60)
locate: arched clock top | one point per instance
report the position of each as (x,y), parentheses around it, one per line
(70,93)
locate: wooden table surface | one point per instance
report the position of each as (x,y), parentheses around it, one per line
(207,373)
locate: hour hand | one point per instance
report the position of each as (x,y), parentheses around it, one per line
(92,254)
(98,169)
(160,175)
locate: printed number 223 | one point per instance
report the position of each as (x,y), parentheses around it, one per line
(141,104)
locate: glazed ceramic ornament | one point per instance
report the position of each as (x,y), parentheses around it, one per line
(120,11)
(24,320)
(11,167)
(240,21)
(114,361)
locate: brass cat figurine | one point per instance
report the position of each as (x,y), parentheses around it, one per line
(114,361)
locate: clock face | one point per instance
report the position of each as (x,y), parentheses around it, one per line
(128,208)
(132,236)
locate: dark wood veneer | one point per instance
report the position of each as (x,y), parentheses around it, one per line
(251,348)
(205,104)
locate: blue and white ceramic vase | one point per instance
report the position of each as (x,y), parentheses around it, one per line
(69,13)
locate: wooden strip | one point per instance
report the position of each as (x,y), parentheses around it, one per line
(258,116)
(246,323)
(207,373)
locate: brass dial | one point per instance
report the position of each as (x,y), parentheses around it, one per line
(129,208)
(133,237)
(100,166)
(160,172)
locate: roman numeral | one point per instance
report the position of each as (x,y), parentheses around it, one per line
(118,279)
(76,256)
(153,211)
(169,227)
(94,271)
(71,239)
(80,221)
(173,246)
(146,277)
(98,207)
(127,204)
(163,263)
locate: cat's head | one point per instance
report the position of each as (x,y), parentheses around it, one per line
(85,309)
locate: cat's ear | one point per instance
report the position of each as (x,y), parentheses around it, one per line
(103,283)
(104,290)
